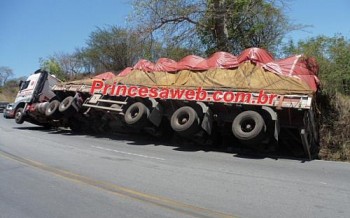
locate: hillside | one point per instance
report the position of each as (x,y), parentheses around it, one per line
(8,93)
(334,127)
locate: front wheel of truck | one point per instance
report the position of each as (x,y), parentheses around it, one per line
(19,116)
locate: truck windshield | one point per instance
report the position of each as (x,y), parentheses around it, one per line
(25,84)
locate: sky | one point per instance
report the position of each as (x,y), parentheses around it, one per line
(34,29)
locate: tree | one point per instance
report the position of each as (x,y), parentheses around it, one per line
(236,25)
(227,25)
(333,57)
(52,66)
(112,49)
(5,74)
(70,64)
(169,22)
(87,66)
(109,49)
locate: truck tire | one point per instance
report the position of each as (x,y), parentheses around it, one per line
(185,121)
(66,106)
(248,127)
(52,109)
(137,115)
(19,116)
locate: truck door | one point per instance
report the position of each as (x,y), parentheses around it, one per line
(25,94)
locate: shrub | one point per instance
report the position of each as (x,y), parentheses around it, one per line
(334,126)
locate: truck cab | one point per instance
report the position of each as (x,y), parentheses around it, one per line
(33,97)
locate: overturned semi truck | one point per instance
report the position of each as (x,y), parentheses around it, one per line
(252,97)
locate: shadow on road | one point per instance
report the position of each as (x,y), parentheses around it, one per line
(224,145)
(37,128)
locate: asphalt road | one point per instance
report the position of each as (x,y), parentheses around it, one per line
(53,173)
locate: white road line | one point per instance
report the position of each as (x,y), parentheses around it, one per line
(127,153)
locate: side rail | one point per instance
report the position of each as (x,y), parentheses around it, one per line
(98,102)
(261,98)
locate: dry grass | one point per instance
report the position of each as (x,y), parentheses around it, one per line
(335,127)
(7,95)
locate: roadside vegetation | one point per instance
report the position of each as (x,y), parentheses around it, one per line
(333,103)
(335,128)
(176,28)
(8,91)
(8,86)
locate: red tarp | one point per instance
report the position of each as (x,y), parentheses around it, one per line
(189,62)
(219,60)
(105,76)
(144,65)
(166,65)
(296,66)
(125,72)
(256,55)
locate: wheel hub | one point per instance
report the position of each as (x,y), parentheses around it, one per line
(183,119)
(134,113)
(248,125)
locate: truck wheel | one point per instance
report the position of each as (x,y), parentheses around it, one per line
(19,116)
(51,110)
(185,121)
(66,106)
(248,127)
(137,115)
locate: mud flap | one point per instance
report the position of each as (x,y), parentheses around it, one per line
(309,135)
(156,115)
(313,125)
(274,117)
(277,130)
(78,101)
(305,142)
(207,123)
